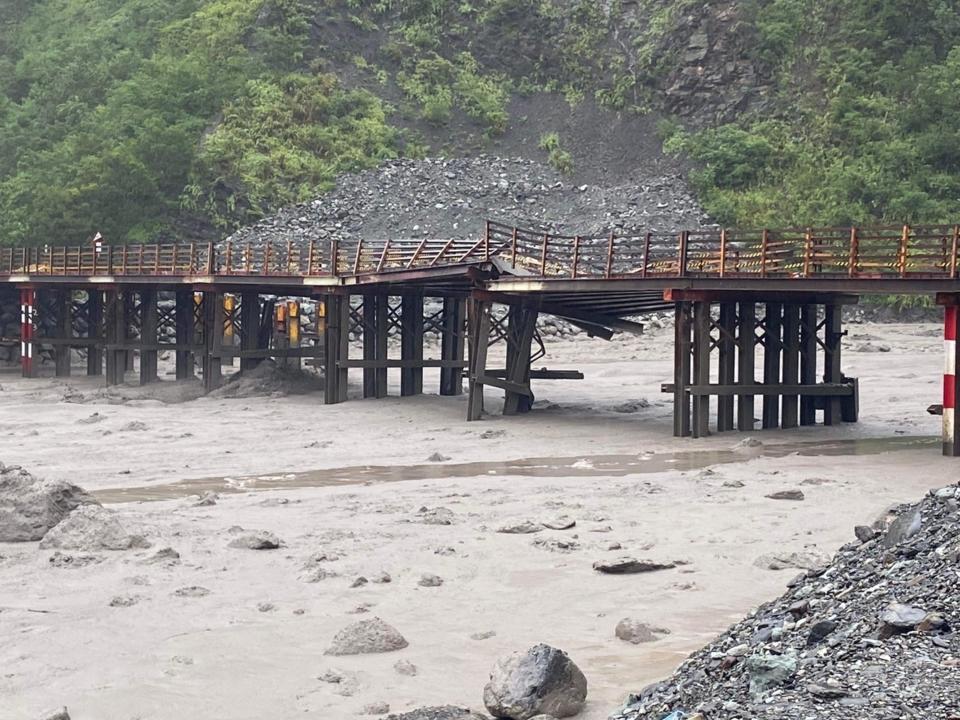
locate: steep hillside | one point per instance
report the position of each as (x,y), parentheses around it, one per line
(143,118)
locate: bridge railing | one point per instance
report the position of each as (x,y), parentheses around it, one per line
(928,251)
(869,252)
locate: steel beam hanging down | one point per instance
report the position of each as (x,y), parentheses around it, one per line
(478,318)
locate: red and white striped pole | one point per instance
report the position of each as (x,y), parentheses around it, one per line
(951,323)
(28,298)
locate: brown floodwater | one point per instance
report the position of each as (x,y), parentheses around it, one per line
(571,466)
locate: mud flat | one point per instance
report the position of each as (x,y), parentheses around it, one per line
(406,490)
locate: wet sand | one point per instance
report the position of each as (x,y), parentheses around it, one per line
(350,480)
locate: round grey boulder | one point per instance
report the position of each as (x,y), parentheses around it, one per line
(365,637)
(541,681)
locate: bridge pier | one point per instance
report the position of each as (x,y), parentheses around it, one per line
(28,302)
(951,369)
(376,331)
(213,326)
(116,326)
(149,335)
(94,332)
(788,344)
(336,348)
(411,344)
(452,324)
(184,318)
(249,330)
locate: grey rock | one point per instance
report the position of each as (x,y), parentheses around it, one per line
(769,671)
(124,601)
(29,506)
(820,631)
(900,618)
(786,495)
(193,591)
(428,580)
(405,667)
(636,632)
(826,692)
(60,714)
(375,708)
(525,527)
(629,566)
(864,533)
(542,680)
(260,540)
(90,528)
(561,522)
(365,637)
(903,528)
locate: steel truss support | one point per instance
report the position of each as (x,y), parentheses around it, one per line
(789,339)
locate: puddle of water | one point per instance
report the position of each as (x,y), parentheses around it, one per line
(576,466)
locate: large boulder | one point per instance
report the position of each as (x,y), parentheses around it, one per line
(29,506)
(541,681)
(366,636)
(92,527)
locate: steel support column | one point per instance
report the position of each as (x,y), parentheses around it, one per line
(213,325)
(64,322)
(478,318)
(116,325)
(95,332)
(746,361)
(833,373)
(28,303)
(772,345)
(790,404)
(375,343)
(522,325)
(452,345)
(951,389)
(411,343)
(808,362)
(149,338)
(726,365)
(336,345)
(249,330)
(184,318)
(683,324)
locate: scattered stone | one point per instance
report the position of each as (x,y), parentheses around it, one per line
(65,560)
(207,499)
(492,434)
(786,495)
(733,483)
(631,406)
(90,528)
(899,618)
(556,544)
(428,580)
(769,671)
(164,556)
(193,591)
(805,560)
(445,712)
(636,632)
(542,680)
(91,419)
(366,636)
(359,582)
(525,527)
(405,667)
(382,578)
(29,506)
(864,533)
(375,708)
(486,635)
(435,516)
(124,601)
(260,540)
(904,527)
(266,607)
(748,442)
(826,692)
(867,636)
(561,522)
(627,566)
(134,426)
(820,631)
(437,458)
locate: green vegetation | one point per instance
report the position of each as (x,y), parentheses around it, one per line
(187,118)
(559,158)
(866,125)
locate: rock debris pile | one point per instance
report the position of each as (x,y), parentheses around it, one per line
(451,198)
(870,636)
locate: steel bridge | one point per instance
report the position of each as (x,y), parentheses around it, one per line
(732,292)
